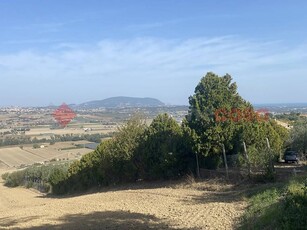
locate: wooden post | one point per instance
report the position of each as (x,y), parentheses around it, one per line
(197,166)
(271,155)
(225,161)
(246,156)
(268,143)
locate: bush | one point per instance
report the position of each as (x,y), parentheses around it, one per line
(164,152)
(211,161)
(40,177)
(261,162)
(15,179)
(136,151)
(4,176)
(56,176)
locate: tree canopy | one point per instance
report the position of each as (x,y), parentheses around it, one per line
(164,152)
(214,93)
(219,115)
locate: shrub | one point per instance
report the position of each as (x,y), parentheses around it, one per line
(40,177)
(56,176)
(211,161)
(261,162)
(15,179)
(135,152)
(163,153)
(52,142)
(4,176)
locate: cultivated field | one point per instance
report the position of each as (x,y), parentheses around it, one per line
(15,156)
(206,206)
(90,129)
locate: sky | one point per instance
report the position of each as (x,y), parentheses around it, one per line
(74,51)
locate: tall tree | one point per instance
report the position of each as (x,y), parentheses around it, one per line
(218,115)
(214,95)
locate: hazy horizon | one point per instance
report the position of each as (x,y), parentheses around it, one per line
(166,104)
(77,51)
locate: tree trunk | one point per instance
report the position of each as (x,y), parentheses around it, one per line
(225,161)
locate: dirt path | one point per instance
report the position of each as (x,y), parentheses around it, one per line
(159,208)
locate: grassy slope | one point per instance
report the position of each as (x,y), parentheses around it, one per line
(277,206)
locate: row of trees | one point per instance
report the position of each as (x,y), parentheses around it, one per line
(23,139)
(160,151)
(166,150)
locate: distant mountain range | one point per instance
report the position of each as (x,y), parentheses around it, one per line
(121,102)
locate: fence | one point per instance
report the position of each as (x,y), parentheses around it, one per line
(235,174)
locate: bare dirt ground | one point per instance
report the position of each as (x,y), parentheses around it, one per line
(202,205)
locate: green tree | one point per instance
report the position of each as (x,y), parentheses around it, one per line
(164,152)
(299,136)
(128,137)
(110,163)
(218,115)
(214,93)
(255,133)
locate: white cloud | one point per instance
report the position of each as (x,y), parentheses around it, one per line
(166,69)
